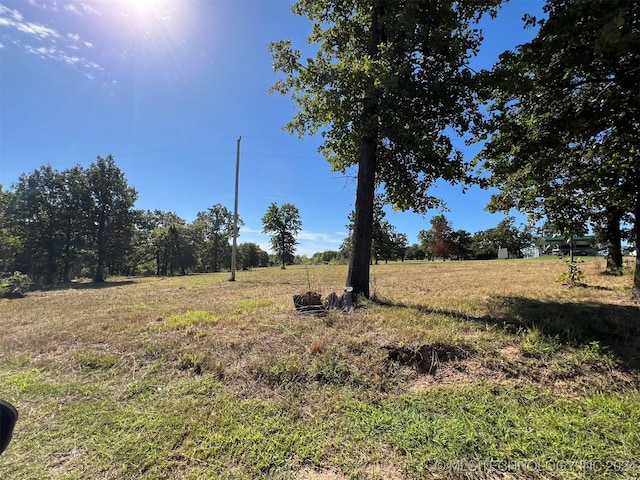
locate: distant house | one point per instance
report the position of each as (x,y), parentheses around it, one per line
(559,245)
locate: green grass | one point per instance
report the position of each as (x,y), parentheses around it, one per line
(199,378)
(190,318)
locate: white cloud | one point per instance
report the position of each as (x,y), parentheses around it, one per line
(321,237)
(249,230)
(16,15)
(30,28)
(90,9)
(44,41)
(71,60)
(37,30)
(72,8)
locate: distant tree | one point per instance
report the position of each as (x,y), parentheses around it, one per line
(386,86)
(142,256)
(427,241)
(325,257)
(110,214)
(414,252)
(400,245)
(283,223)
(345,247)
(74,198)
(438,241)
(462,241)
(486,243)
(251,255)
(444,245)
(218,229)
(169,242)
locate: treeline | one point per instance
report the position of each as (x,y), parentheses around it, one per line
(81,222)
(440,241)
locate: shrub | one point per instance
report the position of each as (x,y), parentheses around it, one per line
(573,276)
(14,286)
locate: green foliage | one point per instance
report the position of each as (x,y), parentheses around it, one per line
(536,344)
(387,84)
(485,244)
(284,224)
(14,286)
(110,210)
(573,276)
(557,147)
(217,228)
(251,255)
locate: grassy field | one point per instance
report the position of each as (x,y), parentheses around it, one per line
(457,370)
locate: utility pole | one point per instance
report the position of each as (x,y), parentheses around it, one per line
(234,248)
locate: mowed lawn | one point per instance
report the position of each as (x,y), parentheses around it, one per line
(483,369)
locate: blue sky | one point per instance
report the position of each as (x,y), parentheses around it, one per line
(168,86)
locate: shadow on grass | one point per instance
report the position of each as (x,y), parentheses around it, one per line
(79,286)
(615,327)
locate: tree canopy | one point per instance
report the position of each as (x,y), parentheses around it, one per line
(565,113)
(386,87)
(284,224)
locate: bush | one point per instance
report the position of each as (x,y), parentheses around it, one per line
(573,276)
(14,286)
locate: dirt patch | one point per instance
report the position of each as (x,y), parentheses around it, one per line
(427,358)
(509,367)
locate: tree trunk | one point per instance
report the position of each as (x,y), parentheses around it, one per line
(635,290)
(360,260)
(358,276)
(101,250)
(216,266)
(283,250)
(66,275)
(614,240)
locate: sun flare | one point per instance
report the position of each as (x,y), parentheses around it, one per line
(150,9)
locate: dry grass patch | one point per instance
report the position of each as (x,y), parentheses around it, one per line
(198,377)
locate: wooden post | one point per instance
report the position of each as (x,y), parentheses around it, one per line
(234,247)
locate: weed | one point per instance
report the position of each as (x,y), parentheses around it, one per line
(538,345)
(191,318)
(574,276)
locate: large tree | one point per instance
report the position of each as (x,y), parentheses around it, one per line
(387,86)
(10,243)
(110,211)
(283,223)
(38,221)
(565,115)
